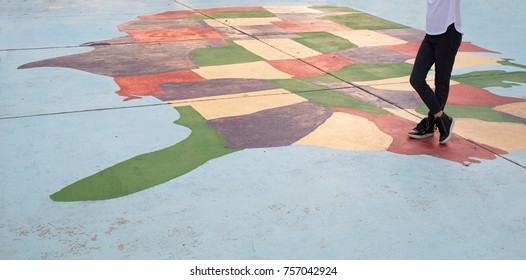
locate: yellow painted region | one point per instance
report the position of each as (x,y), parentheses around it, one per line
(501,135)
(240,104)
(291,10)
(516,109)
(400,83)
(368,38)
(264,50)
(252,70)
(470,60)
(347,132)
(55,7)
(221,22)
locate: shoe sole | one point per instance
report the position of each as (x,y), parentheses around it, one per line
(420,136)
(450,132)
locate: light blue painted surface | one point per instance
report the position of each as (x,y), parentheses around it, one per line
(297,203)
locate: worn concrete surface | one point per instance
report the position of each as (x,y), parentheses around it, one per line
(90,91)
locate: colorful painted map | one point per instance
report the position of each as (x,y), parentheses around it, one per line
(254,77)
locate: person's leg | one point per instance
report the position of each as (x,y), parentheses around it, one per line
(445,53)
(425,58)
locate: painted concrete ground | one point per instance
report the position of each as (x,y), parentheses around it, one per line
(289,139)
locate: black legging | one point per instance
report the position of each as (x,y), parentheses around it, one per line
(441,51)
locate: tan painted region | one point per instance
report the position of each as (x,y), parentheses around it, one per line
(502,135)
(291,10)
(240,104)
(516,109)
(408,114)
(400,83)
(252,70)
(221,22)
(264,50)
(368,38)
(347,132)
(290,47)
(470,60)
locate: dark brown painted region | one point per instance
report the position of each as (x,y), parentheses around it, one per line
(273,127)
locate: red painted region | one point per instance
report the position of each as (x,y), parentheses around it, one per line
(174,35)
(135,86)
(311,26)
(296,68)
(469,47)
(186,14)
(312,66)
(410,49)
(457,149)
(463,94)
(329,62)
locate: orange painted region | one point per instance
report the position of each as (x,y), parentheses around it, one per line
(463,94)
(187,13)
(230,9)
(174,35)
(410,49)
(329,62)
(457,149)
(296,68)
(311,66)
(171,15)
(135,86)
(311,26)
(469,47)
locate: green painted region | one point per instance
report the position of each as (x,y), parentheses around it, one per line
(507,62)
(231,54)
(324,42)
(334,9)
(492,78)
(371,72)
(326,97)
(234,14)
(149,170)
(364,21)
(483,113)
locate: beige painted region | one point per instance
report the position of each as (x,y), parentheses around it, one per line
(470,60)
(264,50)
(400,83)
(221,22)
(240,104)
(252,70)
(290,47)
(291,10)
(368,38)
(348,132)
(408,114)
(516,109)
(502,135)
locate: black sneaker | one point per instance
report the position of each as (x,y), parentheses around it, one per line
(424,129)
(445,125)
